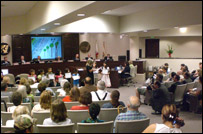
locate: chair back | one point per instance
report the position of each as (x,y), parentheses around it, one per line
(6,116)
(5,129)
(55,128)
(55,88)
(70,104)
(36,98)
(40,116)
(189,86)
(168,84)
(179,93)
(110,114)
(34,90)
(104,127)
(24,75)
(3,107)
(196,84)
(5,98)
(23,104)
(101,102)
(134,126)
(12,78)
(60,97)
(9,89)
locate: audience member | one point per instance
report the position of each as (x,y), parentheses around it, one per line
(171,77)
(167,66)
(186,79)
(44,102)
(94,111)
(169,115)
(85,99)
(88,86)
(100,94)
(180,73)
(105,74)
(114,103)
(19,110)
(89,68)
(29,94)
(176,80)
(58,114)
(6,80)
(65,90)
(4,92)
(76,81)
(23,81)
(17,99)
(32,84)
(74,95)
(41,88)
(49,84)
(22,89)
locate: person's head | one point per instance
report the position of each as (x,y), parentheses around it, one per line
(28,89)
(176,78)
(157,85)
(67,70)
(19,110)
(166,65)
(104,64)
(115,95)
(6,79)
(16,98)
(22,89)
(41,72)
(75,71)
(130,62)
(42,87)
(159,77)
(32,72)
(101,85)
(67,87)
(164,69)
(82,83)
(88,81)
(46,81)
(89,63)
(85,98)
(23,81)
(187,75)
(108,55)
(31,81)
(74,94)
(169,113)
(200,65)
(94,110)
(160,71)
(77,56)
(49,70)
(45,99)
(58,58)
(5,58)
(182,66)
(22,57)
(38,57)
(58,111)
(127,64)
(133,103)
(23,124)
(4,86)
(173,74)
(58,72)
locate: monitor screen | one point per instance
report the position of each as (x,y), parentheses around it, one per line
(4,71)
(46,47)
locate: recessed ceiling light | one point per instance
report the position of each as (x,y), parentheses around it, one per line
(183,29)
(81,14)
(57,24)
(43,29)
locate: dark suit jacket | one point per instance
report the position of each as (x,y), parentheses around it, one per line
(187,81)
(4,63)
(108,59)
(173,87)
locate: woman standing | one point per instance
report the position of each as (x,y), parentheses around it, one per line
(89,68)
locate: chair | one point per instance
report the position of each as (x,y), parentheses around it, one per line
(55,128)
(110,114)
(105,127)
(133,73)
(23,104)
(34,90)
(101,102)
(189,86)
(70,104)
(179,93)
(196,84)
(134,126)
(12,78)
(24,76)
(55,88)
(5,98)
(3,107)
(60,97)
(6,116)
(36,98)
(168,84)
(9,89)
(40,116)
(6,129)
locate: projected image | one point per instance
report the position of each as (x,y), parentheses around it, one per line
(46,47)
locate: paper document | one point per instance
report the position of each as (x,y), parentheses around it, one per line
(76,77)
(60,79)
(120,72)
(44,77)
(33,78)
(67,75)
(51,76)
(105,72)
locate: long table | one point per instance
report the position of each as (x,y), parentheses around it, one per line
(114,76)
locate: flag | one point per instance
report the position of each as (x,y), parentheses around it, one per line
(97,51)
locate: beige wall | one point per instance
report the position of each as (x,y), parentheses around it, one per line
(114,45)
(185,47)
(7,39)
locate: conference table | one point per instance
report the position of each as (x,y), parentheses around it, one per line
(114,75)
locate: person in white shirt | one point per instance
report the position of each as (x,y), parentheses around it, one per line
(66,88)
(100,94)
(17,100)
(171,121)
(105,74)
(61,90)
(58,114)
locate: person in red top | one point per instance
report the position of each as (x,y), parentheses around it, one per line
(74,95)
(58,75)
(85,99)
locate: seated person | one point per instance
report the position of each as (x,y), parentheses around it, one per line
(45,85)
(24,124)
(186,79)
(85,99)
(17,99)
(4,92)
(22,60)
(77,57)
(176,80)
(6,80)
(126,72)
(58,59)
(180,73)
(169,115)
(58,113)
(164,71)
(114,103)
(19,110)
(88,86)
(5,62)
(100,94)
(66,88)
(171,77)
(94,110)
(108,58)
(44,103)
(29,92)
(74,95)
(32,83)
(22,89)
(160,97)
(168,69)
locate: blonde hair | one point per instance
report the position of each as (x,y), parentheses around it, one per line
(22,90)
(89,63)
(23,81)
(169,112)
(130,62)
(6,79)
(45,99)
(19,111)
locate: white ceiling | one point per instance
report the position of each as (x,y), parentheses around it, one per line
(139,6)
(15,8)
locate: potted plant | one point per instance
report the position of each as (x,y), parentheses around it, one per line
(170,50)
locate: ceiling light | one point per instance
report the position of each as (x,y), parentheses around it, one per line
(81,14)
(43,29)
(57,24)
(183,29)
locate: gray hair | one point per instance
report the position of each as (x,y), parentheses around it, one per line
(22,90)
(134,105)
(46,81)
(101,85)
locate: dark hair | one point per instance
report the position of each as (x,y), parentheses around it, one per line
(17,130)
(58,72)
(173,74)
(66,70)
(3,86)
(200,78)
(75,71)
(166,64)
(187,75)
(183,65)
(169,112)
(177,77)
(88,80)
(32,70)
(82,83)
(85,98)
(51,83)
(160,76)
(105,63)
(94,110)
(200,63)
(114,98)
(127,64)
(16,98)
(40,71)
(41,87)
(74,94)
(28,88)
(158,84)
(67,87)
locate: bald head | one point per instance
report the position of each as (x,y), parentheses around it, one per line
(133,103)
(88,80)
